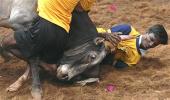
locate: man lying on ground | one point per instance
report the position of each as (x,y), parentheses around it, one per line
(130,51)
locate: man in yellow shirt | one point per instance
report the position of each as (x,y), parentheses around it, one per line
(129,51)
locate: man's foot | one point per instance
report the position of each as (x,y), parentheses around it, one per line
(17,84)
(14,87)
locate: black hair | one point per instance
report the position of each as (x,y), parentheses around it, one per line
(160,32)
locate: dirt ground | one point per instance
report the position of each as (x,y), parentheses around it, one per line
(148,80)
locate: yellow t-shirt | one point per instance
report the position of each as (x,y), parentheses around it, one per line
(87,4)
(57,11)
(127,50)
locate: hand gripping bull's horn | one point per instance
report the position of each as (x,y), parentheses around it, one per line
(76,70)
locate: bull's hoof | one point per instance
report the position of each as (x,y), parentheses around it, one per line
(36,94)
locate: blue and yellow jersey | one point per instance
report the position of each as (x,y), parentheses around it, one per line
(128,50)
(57,11)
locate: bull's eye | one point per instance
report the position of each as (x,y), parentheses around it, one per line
(92,55)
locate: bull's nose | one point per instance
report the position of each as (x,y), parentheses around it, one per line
(62,72)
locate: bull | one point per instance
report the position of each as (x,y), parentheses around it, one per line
(81,54)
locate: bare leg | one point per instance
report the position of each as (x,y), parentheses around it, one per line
(21,80)
(5,23)
(8,41)
(7,44)
(5,55)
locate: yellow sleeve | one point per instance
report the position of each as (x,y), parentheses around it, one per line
(103,30)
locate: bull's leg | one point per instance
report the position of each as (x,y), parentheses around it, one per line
(36,85)
(21,80)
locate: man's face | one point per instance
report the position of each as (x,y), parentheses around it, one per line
(149,40)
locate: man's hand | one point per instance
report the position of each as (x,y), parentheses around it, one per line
(113,38)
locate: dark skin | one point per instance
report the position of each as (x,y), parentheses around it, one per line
(149,40)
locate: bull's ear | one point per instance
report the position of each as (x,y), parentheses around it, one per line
(99,40)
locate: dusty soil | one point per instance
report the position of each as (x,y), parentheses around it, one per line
(148,80)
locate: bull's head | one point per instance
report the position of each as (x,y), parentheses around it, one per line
(80,59)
